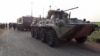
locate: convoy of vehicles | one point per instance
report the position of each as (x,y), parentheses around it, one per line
(57,26)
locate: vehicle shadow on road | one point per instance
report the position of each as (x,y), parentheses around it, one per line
(75,46)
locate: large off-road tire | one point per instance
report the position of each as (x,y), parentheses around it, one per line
(37,33)
(43,35)
(81,39)
(52,38)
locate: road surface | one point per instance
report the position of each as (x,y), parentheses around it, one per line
(17,43)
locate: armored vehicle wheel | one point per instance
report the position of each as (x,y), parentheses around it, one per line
(52,39)
(81,39)
(36,33)
(43,35)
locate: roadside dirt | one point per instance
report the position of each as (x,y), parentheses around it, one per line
(90,43)
(97,45)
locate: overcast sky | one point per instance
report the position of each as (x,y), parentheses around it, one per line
(10,10)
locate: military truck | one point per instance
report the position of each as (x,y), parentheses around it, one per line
(2,25)
(23,23)
(60,26)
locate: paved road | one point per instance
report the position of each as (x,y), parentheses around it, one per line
(16,43)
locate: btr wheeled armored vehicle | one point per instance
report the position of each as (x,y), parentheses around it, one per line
(60,26)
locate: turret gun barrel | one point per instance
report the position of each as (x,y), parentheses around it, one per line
(71,9)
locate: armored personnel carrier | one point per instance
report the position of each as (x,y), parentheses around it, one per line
(24,23)
(59,26)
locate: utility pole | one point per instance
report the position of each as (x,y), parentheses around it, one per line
(31,8)
(50,7)
(43,12)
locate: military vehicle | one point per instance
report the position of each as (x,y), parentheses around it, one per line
(23,23)
(2,25)
(60,26)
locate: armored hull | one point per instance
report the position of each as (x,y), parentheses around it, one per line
(59,26)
